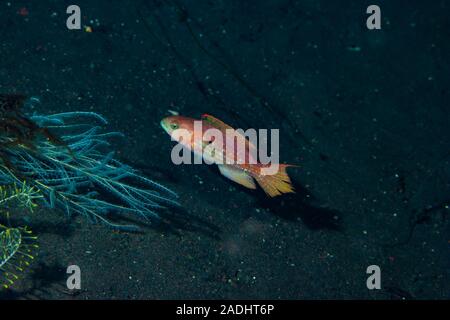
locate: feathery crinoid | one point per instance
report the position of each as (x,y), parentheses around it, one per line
(19,196)
(67,157)
(17,249)
(18,246)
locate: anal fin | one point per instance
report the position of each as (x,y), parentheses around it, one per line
(237,175)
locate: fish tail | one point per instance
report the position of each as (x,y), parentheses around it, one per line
(276,184)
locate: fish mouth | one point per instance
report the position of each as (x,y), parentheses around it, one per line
(163,124)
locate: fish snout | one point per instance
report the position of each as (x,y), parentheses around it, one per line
(164,125)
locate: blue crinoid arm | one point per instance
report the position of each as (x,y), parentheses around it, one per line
(82,176)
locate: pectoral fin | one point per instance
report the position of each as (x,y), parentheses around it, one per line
(237,175)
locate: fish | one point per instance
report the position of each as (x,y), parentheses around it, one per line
(240,165)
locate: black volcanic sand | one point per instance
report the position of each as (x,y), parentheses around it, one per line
(364,113)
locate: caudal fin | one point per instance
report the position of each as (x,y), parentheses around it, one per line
(276,184)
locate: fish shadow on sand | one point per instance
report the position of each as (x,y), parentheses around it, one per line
(304,206)
(299,206)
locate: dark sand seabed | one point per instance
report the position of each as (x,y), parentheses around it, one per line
(364,113)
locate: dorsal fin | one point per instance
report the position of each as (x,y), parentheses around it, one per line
(219,124)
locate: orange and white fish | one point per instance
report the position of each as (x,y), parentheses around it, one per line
(237,164)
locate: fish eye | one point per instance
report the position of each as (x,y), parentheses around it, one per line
(174,126)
